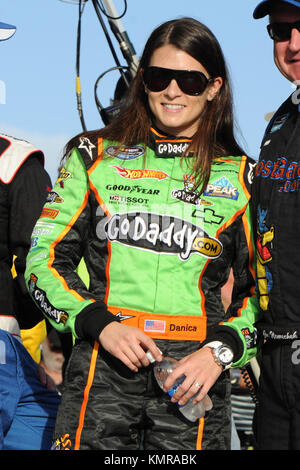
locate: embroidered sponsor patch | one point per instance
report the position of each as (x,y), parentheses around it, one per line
(62,443)
(285,171)
(49,213)
(222,188)
(54,197)
(42,228)
(170,149)
(155,325)
(125,153)
(250,338)
(87,145)
(279,122)
(208,216)
(280,336)
(140,173)
(40,297)
(63,176)
(161,234)
(132,189)
(187,193)
(116,198)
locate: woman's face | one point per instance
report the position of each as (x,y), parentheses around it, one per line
(175,112)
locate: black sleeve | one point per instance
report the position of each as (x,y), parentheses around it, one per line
(26,196)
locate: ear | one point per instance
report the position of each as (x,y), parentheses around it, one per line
(214,88)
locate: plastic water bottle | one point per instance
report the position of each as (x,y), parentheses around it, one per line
(191,411)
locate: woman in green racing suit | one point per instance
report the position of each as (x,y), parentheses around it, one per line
(156,204)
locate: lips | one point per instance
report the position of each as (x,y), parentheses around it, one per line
(173,107)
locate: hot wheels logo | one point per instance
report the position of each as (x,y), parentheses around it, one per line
(161,234)
(140,173)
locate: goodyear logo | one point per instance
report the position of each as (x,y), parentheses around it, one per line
(161,234)
(140,173)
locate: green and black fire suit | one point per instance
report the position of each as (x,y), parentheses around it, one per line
(157,256)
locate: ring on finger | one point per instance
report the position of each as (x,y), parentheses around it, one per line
(197,384)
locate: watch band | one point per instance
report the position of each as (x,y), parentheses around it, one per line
(215,346)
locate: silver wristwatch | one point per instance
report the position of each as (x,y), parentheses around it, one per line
(222,353)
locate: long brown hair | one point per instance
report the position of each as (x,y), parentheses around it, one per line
(215,135)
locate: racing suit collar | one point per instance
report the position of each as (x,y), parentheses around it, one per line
(167,146)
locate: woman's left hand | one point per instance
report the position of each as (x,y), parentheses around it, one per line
(201,372)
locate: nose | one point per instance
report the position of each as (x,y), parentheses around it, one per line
(173,89)
(294,44)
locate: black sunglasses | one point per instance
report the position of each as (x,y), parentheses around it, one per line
(191,82)
(282,31)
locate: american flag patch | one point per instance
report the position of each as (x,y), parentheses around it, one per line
(155,325)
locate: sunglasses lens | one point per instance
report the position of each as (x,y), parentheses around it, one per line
(281,31)
(190,82)
(156,79)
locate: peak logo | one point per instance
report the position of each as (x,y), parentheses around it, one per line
(140,173)
(222,188)
(161,234)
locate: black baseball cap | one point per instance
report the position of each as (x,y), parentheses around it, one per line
(265,7)
(6,31)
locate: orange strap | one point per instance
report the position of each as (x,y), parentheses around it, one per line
(158,326)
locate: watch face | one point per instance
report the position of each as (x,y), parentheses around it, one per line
(225,355)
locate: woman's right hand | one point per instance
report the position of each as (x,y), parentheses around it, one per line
(129,344)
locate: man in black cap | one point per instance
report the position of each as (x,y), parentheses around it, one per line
(27,407)
(276,206)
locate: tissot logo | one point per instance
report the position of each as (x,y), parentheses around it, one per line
(161,233)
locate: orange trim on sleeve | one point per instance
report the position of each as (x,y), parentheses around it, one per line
(86,395)
(201,291)
(227,224)
(100,156)
(241,176)
(105,210)
(55,243)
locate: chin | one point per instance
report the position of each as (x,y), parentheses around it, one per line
(293,74)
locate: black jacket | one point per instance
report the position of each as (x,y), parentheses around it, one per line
(275,206)
(24,185)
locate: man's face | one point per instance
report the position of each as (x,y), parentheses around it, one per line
(287,53)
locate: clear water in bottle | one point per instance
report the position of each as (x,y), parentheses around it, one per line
(192,411)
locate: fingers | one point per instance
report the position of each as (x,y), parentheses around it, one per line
(129,344)
(185,391)
(200,372)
